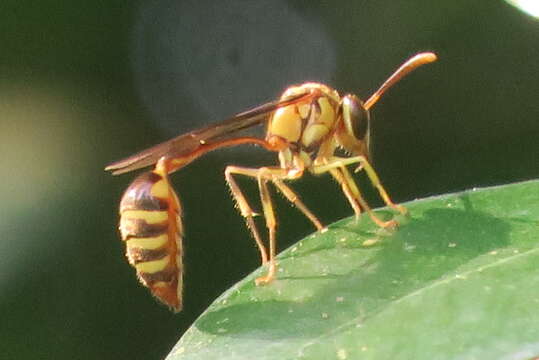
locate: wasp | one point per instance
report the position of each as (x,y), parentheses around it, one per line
(306,127)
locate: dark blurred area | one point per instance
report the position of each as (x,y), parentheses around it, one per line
(86,83)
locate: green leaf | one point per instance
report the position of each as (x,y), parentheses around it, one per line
(459,279)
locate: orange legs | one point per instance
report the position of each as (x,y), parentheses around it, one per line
(336,166)
(263,175)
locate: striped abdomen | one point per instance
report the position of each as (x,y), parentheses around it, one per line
(151,227)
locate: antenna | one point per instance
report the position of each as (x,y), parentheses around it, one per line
(412,64)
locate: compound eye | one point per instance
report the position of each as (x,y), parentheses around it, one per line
(355,116)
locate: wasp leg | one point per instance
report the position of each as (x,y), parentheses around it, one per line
(373,177)
(347,190)
(350,189)
(276,176)
(294,199)
(271,224)
(245,209)
(262,175)
(349,179)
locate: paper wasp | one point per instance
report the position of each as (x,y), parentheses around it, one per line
(305,127)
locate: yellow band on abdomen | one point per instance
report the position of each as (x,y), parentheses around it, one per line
(151,267)
(148,243)
(151,217)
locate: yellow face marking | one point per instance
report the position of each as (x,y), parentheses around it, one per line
(151,267)
(148,243)
(151,217)
(160,189)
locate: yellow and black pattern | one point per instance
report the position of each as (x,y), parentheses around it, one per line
(150,224)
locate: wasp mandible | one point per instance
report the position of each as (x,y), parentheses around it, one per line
(305,127)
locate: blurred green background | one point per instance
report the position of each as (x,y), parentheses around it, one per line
(86,83)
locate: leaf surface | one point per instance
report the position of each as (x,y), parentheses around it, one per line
(459,279)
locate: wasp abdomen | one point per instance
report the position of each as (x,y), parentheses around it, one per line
(150,225)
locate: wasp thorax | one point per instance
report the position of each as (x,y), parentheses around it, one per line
(355,117)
